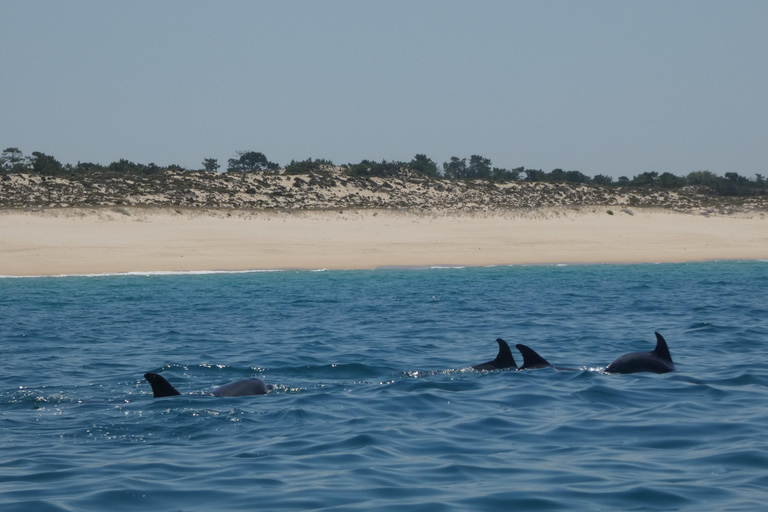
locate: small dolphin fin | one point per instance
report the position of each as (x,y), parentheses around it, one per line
(504,358)
(160,386)
(661,349)
(531,359)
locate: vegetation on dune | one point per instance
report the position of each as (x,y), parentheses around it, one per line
(307,166)
(251,161)
(475,168)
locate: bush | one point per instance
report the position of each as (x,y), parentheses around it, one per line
(368,168)
(307,166)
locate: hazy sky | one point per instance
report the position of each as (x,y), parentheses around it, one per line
(604,87)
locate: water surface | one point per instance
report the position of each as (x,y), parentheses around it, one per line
(375,407)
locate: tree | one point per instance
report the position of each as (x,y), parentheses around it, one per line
(735,177)
(602,179)
(576,177)
(86,167)
(152,168)
(702,178)
(424,165)
(732,184)
(760,181)
(556,176)
(669,180)
(384,169)
(479,168)
(12,160)
(45,164)
(499,174)
(518,171)
(455,169)
(646,179)
(250,161)
(124,166)
(535,175)
(211,164)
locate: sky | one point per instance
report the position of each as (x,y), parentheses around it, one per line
(603,87)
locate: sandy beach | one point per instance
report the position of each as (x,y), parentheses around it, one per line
(105,240)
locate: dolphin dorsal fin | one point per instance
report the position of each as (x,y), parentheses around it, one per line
(661,349)
(504,359)
(531,359)
(160,386)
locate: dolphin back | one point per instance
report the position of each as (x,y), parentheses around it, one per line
(656,361)
(243,387)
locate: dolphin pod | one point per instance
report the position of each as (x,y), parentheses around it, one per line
(531,360)
(245,387)
(656,361)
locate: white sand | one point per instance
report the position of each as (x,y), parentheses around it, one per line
(82,241)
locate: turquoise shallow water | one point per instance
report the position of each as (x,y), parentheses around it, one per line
(375,407)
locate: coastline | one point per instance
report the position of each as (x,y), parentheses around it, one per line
(65,241)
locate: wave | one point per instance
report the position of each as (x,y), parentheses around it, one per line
(148,273)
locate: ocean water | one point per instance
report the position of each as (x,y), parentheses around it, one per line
(375,407)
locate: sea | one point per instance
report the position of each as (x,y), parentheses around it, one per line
(375,405)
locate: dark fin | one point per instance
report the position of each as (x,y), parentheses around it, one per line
(504,359)
(531,359)
(160,386)
(661,349)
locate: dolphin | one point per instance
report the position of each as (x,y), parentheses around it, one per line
(532,360)
(656,361)
(504,359)
(245,387)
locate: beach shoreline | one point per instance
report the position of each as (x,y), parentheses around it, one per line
(93,240)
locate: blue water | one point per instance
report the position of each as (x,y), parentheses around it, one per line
(375,407)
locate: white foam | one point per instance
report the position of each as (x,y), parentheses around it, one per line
(149,273)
